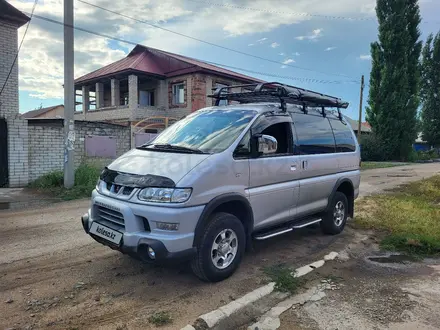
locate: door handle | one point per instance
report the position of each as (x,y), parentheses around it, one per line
(293,167)
(305,164)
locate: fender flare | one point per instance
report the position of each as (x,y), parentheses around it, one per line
(335,188)
(216,202)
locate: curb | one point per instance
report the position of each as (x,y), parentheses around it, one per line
(215,317)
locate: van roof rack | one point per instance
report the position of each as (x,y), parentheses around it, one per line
(275,92)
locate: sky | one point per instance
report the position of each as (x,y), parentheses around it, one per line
(314,44)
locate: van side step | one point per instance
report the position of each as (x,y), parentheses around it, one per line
(286,229)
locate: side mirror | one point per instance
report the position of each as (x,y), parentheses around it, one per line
(267,144)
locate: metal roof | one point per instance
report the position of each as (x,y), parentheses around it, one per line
(39,112)
(157,62)
(11,14)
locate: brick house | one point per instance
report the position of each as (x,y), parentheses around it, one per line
(13,129)
(55,111)
(149,83)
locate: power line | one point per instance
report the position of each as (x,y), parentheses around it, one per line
(300,14)
(106,36)
(319,81)
(19,47)
(211,43)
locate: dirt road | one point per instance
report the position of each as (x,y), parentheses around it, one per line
(371,293)
(52,275)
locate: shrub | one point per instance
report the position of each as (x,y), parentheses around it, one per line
(49,180)
(86,176)
(373,148)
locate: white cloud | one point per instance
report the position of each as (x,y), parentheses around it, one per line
(366,57)
(250,45)
(41,57)
(317,33)
(275,45)
(288,61)
(328,49)
(281,54)
(283,66)
(296,54)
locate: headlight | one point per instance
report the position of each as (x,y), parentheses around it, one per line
(165,195)
(98,185)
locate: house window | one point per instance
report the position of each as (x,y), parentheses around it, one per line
(146,98)
(179,93)
(219,85)
(125,98)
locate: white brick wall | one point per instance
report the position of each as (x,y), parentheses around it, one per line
(46,150)
(17,128)
(8,51)
(46,144)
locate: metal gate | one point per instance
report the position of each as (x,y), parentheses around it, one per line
(3,153)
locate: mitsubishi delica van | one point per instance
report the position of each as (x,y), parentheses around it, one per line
(275,159)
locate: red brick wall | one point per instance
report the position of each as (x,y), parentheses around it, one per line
(198,92)
(170,94)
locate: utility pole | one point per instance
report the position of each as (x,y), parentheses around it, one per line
(69,97)
(360,110)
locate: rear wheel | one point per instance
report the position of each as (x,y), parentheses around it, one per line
(221,248)
(335,218)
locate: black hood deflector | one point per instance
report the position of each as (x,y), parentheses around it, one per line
(136,181)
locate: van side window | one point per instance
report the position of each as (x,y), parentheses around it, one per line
(282,133)
(343,136)
(243,149)
(315,134)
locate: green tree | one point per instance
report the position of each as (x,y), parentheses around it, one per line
(430,90)
(395,76)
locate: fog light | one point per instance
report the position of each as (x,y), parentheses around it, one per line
(151,253)
(167,226)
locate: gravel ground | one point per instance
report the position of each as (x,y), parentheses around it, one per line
(52,275)
(372,296)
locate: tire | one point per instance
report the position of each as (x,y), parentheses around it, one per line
(333,221)
(203,263)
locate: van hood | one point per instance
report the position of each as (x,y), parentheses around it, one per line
(173,166)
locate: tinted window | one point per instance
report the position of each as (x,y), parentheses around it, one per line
(343,136)
(281,132)
(277,126)
(315,135)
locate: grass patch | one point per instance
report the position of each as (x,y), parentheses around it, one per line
(421,245)
(283,278)
(373,165)
(410,217)
(52,183)
(160,318)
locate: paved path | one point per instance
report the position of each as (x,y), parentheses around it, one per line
(380,179)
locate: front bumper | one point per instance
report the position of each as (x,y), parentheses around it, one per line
(138,224)
(141,249)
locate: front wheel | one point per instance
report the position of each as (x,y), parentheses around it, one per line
(334,220)
(221,248)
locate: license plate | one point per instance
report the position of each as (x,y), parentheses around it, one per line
(106,233)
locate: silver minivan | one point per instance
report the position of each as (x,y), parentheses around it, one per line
(274,159)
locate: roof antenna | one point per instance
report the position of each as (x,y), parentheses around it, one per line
(283,106)
(340,114)
(304,109)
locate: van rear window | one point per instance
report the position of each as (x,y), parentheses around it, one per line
(314,133)
(343,136)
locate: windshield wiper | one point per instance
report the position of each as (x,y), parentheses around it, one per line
(167,146)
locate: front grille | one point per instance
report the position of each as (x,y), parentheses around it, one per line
(111,215)
(118,189)
(127,191)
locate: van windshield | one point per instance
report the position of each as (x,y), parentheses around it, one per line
(209,131)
